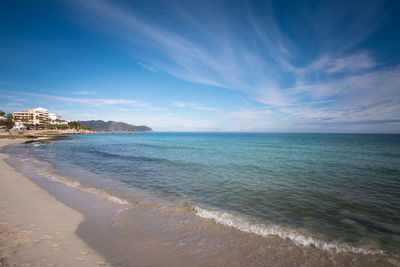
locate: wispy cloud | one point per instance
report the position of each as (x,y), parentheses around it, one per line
(147,67)
(222,59)
(217,62)
(327,66)
(86,92)
(194,106)
(355,62)
(364,97)
(313,73)
(97,102)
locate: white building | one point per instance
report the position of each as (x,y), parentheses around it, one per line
(34,116)
(18,126)
(54,117)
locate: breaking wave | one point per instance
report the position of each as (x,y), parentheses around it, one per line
(274,230)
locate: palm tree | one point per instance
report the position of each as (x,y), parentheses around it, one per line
(9,121)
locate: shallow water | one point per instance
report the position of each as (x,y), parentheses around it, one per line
(335,193)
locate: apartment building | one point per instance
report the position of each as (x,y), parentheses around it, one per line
(36,116)
(54,116)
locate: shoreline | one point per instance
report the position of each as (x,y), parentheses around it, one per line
(143,235)
(36,134)
(37,229)
(99,229)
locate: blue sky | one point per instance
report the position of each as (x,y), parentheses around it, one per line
(262,66)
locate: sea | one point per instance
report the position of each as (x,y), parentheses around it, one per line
(334,193)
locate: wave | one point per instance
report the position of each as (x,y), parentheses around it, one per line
(92,190)
(113,218)
(165,146)
(274,230)
(132,157)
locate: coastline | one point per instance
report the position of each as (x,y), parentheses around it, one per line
(93,226)
(142,234)
(37,229)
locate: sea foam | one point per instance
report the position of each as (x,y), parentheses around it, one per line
(245,225)
(92,190)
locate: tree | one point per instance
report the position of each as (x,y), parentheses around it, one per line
(2,113)
(45,123)
(86,128)
(62,126)
(75,125)
(9,122)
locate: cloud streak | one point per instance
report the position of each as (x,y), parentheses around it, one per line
(194,106)
(147,67)
(97,102)
(217,62)
(86,92)
(309,72)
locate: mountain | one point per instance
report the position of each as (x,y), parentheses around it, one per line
(100,125)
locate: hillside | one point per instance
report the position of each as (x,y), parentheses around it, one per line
(100,125)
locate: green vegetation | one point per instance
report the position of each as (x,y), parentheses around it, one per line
(48,126)
(61,126)
(77,125)
(2,113)
(8,123)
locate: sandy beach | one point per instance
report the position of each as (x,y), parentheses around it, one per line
(35,228)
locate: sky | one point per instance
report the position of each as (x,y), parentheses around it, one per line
(213,66)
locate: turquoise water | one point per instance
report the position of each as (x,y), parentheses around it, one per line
(331,191)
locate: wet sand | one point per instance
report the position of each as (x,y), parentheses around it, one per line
(35,228)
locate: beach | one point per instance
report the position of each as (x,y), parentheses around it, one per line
(69,204)
(52,223)
(35,228)
(200,133)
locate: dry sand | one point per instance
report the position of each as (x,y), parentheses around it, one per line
(35,228)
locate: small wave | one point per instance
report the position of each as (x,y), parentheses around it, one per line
(92,190)
(264,230)
(113,218)
(165,146)
(130,157)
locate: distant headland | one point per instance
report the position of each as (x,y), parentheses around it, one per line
(99,125)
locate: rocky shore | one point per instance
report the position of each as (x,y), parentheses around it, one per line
(42,134)
(47,136)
